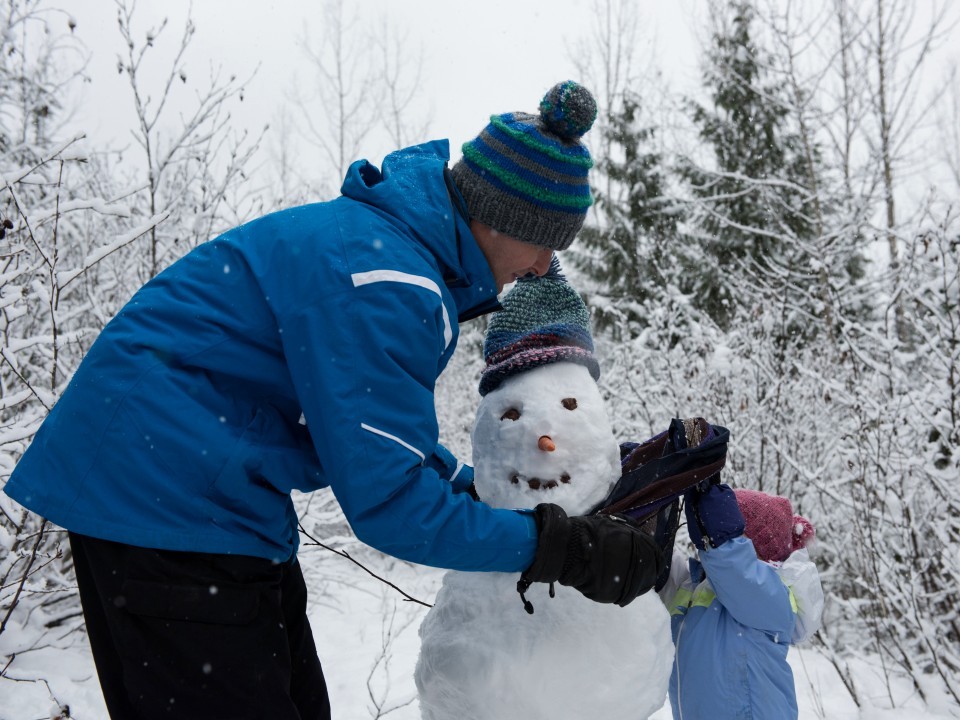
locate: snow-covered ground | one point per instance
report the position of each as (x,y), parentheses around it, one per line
(367,637)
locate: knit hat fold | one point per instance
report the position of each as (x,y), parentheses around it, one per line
(770,523)
(526,175)
(544,320)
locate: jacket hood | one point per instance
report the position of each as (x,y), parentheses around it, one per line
(411,189)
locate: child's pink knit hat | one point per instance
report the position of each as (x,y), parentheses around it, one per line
(771,525)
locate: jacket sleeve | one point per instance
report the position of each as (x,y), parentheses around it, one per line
(679,574)
(749,588)
(364,362)
(800,575)
(449,468)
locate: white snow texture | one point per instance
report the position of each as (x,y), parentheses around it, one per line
(482,656)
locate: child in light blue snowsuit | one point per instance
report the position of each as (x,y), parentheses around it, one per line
(736,611)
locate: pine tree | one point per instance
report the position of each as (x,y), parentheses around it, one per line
(625,253)
(752,207)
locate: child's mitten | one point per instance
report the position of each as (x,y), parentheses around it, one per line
(713,516)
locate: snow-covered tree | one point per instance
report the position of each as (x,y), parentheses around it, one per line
(629,252)
(194,168)
(57,222)
(751,197)
(79,234)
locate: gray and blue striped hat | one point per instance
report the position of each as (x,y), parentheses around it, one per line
(526,175)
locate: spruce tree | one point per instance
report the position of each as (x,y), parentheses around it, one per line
(626,250)
(751,206)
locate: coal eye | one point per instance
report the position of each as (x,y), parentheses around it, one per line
(511,414)
(569,403)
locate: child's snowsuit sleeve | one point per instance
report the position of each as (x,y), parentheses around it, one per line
(800,575)
(750,589)
(679,574)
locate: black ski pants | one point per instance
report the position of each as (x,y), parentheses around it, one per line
(198,635)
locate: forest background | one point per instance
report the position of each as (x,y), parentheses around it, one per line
(776,249)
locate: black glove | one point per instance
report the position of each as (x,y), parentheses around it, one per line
(606,557)
(713,515)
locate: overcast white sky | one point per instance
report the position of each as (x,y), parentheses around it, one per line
(478,58)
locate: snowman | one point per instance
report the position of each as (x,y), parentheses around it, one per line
(541,435)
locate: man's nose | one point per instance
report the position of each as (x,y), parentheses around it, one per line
(542,263)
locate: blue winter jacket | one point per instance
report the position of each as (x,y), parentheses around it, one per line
(732,628)
(294,352)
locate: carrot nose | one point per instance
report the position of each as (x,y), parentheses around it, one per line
(546,444)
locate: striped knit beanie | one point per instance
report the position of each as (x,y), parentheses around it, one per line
(770,523)
(543,321)
(526,175)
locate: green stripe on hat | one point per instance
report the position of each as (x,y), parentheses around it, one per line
(525,187)
(547,171)
(526,176)
(546,148)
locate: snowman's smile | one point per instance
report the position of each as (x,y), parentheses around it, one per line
(536,483)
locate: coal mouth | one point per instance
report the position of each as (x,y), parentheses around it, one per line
(536,483)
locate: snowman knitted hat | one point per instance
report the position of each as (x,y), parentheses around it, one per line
(543,321)
(526,175)
(771,525)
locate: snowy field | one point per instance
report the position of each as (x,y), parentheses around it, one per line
(367,637)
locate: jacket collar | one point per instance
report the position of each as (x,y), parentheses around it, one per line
(415,188)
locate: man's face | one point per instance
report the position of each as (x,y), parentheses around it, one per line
(508,257)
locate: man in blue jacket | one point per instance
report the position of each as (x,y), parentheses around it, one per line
(300,351)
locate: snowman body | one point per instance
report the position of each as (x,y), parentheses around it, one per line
(542,436)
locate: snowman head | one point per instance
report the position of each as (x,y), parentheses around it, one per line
(543,436)
(542,432)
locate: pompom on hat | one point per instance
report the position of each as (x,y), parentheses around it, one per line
(770,523)
(526,175)
(544,320)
